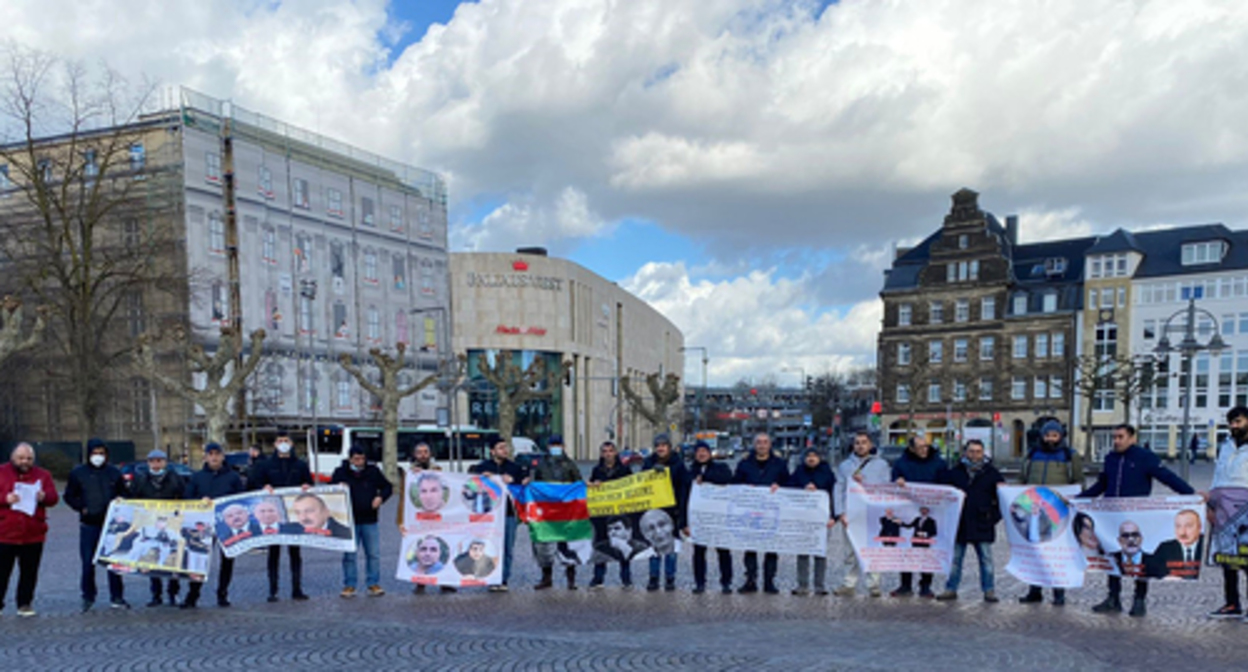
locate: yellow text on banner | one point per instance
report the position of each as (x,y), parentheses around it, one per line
(650,489)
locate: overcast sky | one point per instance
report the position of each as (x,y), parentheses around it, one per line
(747,166)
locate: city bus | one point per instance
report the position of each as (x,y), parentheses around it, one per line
(333,442)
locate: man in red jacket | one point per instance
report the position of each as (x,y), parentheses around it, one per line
(22,534)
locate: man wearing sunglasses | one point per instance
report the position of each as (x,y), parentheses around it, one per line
(1129,471)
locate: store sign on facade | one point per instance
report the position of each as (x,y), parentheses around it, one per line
(520,331)
(517,280)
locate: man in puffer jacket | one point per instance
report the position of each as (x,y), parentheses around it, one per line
(1052,462)
(919,464)
(814,474)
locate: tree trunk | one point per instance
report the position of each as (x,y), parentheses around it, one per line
(390,438)
(1087,435)
(217,418)
(506,418)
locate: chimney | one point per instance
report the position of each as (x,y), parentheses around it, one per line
(536,251)
(1011,229)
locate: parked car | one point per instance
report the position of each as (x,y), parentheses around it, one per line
(131,469)
(891,452)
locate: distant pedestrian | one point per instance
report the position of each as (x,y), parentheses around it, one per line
(763,469)
(815,475)
(216,479)
(706,471)
(499,463)
(976,476)
(159,482)
(282,470)
(369,490)
(862,466)
(89,491)
(664,458)
(1051,462)
(619,544)
(919,464)
(22,534)
(1194,448)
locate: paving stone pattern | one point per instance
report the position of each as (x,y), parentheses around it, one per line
(612,629)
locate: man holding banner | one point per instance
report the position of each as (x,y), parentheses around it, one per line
(617,541)
(815,475)
(159,482)
(766,470)
(214,480)
(499,463)
(866,468)
(1129,471)
(1228,510)
(282,470)
(706,470)
(556,468)
(661,526)
(919,464)
(1051,463)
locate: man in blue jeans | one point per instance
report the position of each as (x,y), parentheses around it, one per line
(89,491)
(662,527)
(499,463)
(974,475)
(369,490)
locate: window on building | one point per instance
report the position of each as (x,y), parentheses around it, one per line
(1055,387)
(1055,265)
(1120,266)
(959,390)
(306,325)
(1228,325)
(424,223)
(1106,343)
(1059,344)
(1092,294)
(6,184)
(903,393)
(1150,329)
(1041,388)
(963,241)
(140,404)
(212,167)
(986,348)
(1209,252)
(960,348)
(1050,302)
(370,267)
(974,272)
(333,201)
(216,233)
(90,165)
(400,271)
(270,246)
(44,169)
(366,212)
(1241,377)
(1122,297)
(273,394)
(935,352)
(1107,297)
(936,312)
(951,273)
(374,324)
(961,310)
(1094,267)
(1020,304)
(138,157)
(341,328)
(1226,377)
(426,278)
(264,186)
(1042,346)
(1018,388)
(396,218)
(985,389)
(431,334)
(300,198)
(400,327)
(272,314)
(131,235)
(904,312)
(343,387)
(220,303)
(1202,380)
(1020,347)
(337,262)
(134,313)
(903,354)
(933,392)
(303,253)
(988,308)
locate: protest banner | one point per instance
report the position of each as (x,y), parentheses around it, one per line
(903,529)
(1229,538)
(1147,537)
(558,518)
(752,518)
(453,534)
(630,520)
(319,517)
(157,538)
(1040,527)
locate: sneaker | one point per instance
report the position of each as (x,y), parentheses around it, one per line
(653,585)
(800,592)
(1032,597)
(1138,608)
(1227,611)
(844,591)
(876,592)
(376,591)
(119,604)
(502,588)
(86,605)
(155,602)
(926,593)
(699,589)
(1111,605)
(495,588)
(947,596)
(991,597)
(26,611)
(300,597)
(821,592)
(902,592)
(349,591)
(419,589)
(273,598)
(1059,598)
(669,586)
(595,585)
(748,588)
(222,602)
(725,590)
(771,589)
(444,589)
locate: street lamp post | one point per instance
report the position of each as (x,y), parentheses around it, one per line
(307,290)
(1188,348)
(706,357)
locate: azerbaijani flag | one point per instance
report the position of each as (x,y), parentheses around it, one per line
(554,511)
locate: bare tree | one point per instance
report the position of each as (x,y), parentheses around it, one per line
(1093,374)
(80,234)
(1135,377)
(389,392)
(517,386)
(224,377)
(664,391)
(12,340)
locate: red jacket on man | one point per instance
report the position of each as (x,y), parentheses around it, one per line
(15,526)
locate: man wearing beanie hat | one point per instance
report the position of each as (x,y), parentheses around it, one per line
(1051,462)
(815,475)
(89,491)
(706,471)
(158,482)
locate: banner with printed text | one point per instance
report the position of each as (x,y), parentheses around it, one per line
(1158,537)
(157,538)
(453,529)
(319,517)
(1043,530)
(752,518)
(1229,538)
(903,529)
(632,517)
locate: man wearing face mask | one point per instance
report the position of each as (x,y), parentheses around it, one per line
(89,491)
(216,479)
(282,470)
(369,490)
(159,482)
(556,468)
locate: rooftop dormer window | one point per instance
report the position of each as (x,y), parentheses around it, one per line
(1207,252)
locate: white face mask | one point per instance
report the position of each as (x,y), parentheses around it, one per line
(283,448)
(556,450)
(98,460)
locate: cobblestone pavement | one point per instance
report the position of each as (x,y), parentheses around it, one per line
(613,629)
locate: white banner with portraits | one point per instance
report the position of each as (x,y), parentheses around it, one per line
(903,529)
(752,518)
(453,529)
(1159,537)
(319,517)
(1045,533)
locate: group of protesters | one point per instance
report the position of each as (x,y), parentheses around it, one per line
(1128,471)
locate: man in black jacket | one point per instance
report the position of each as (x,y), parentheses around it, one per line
(706,471)
(90,489)
(214,480)
(159,482)
(369,490)
(613,537)
(282,470)
(767,470)
(499,463)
